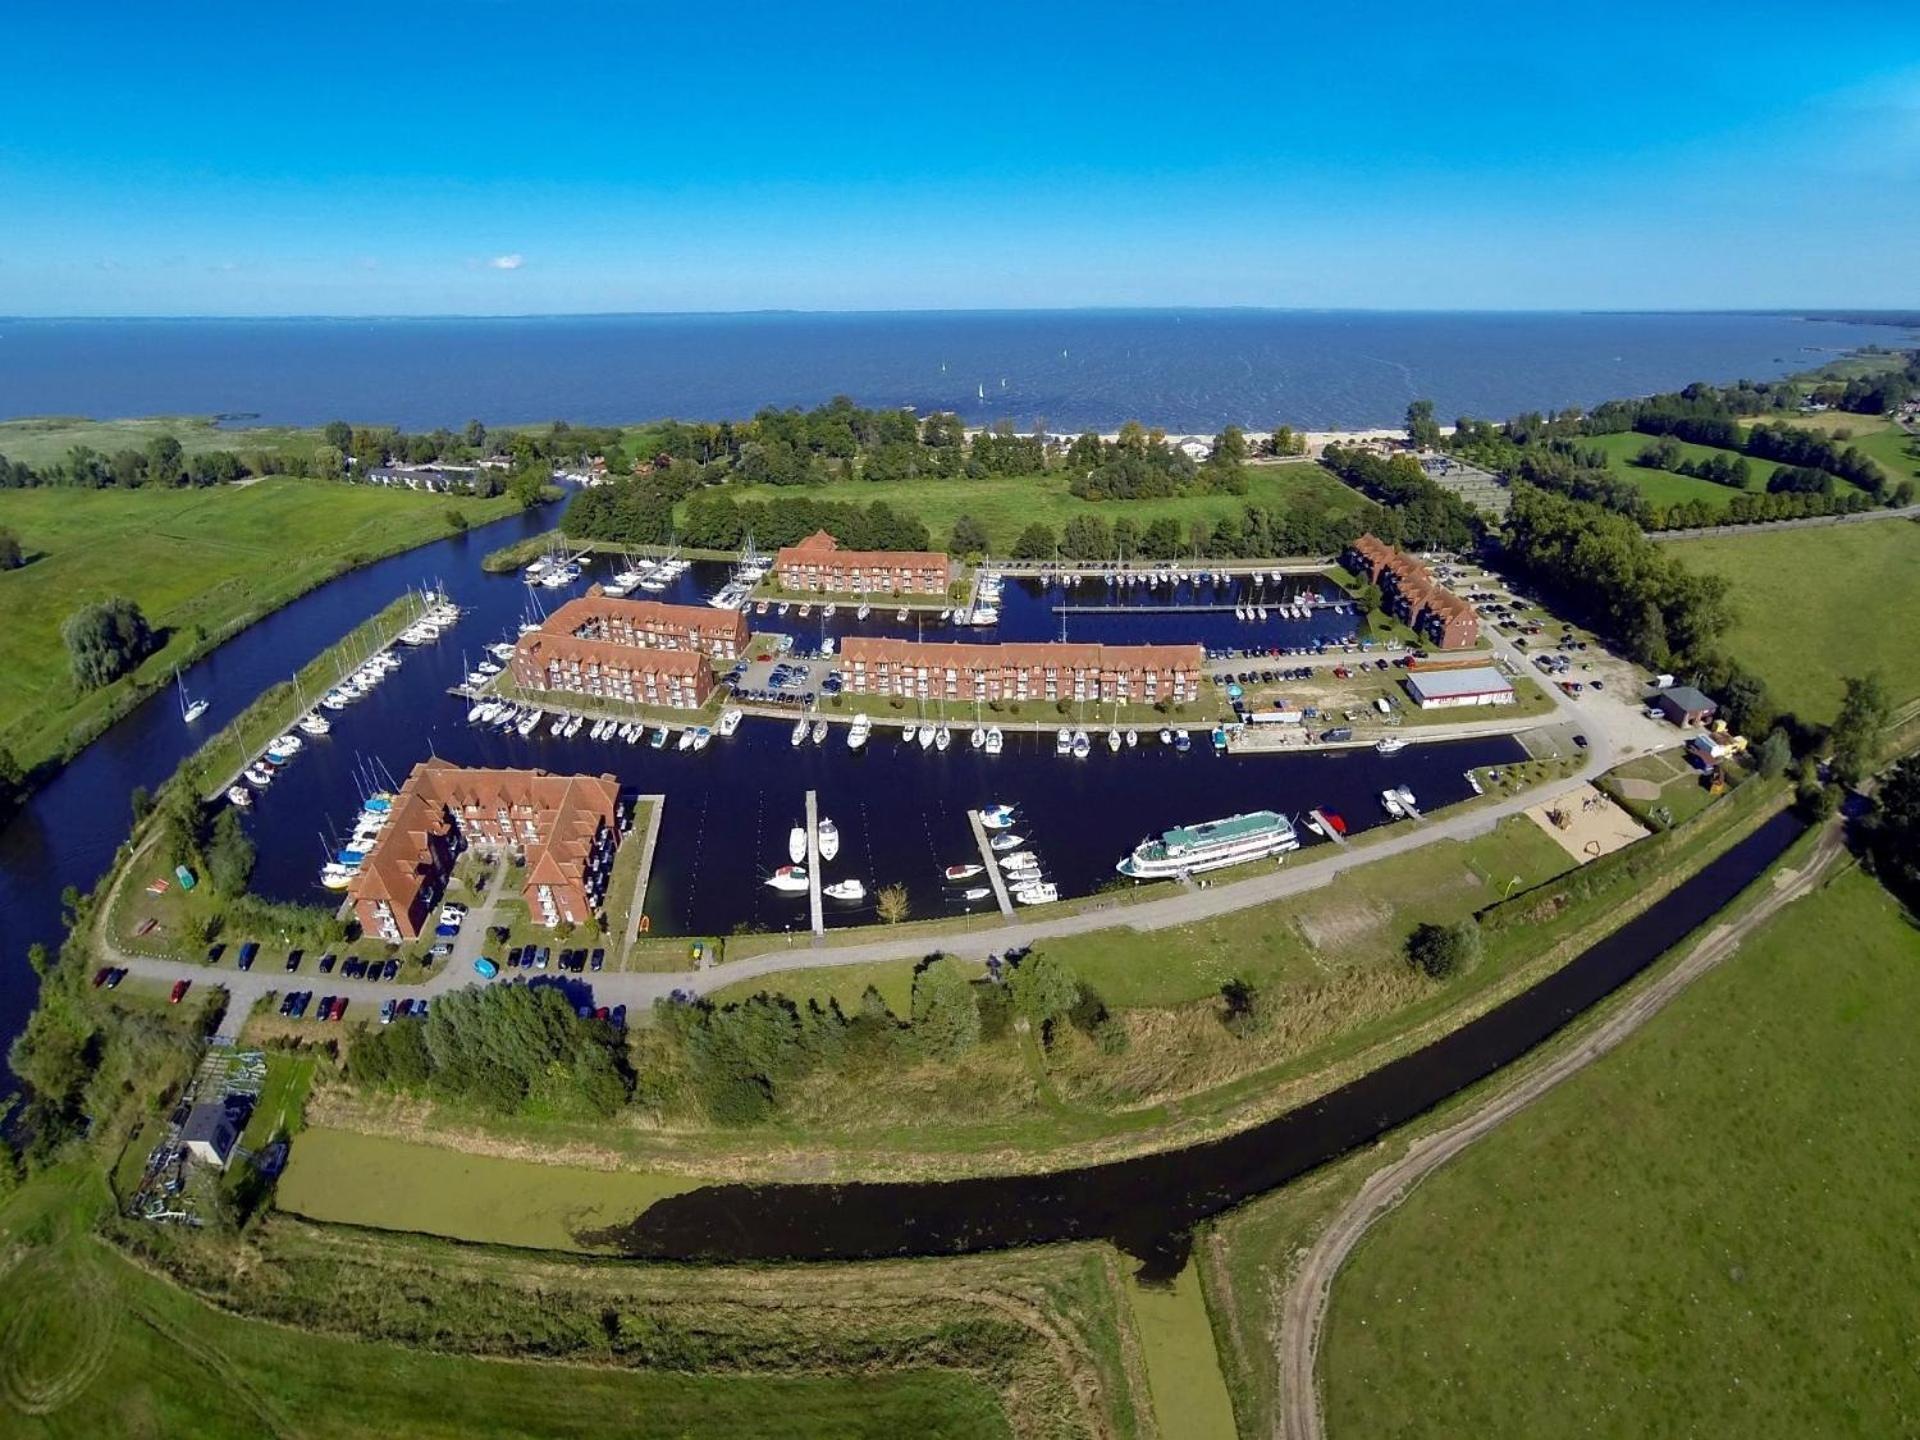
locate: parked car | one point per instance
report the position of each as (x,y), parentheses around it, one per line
(247,952)
(293,960)
(339,1008)
(599,960)
(300,1003)
(100,976)
(485,968)
(1580,742)
(115,976)
(391,969)
(180,988)
(326,963)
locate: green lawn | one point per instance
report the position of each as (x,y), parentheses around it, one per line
(1707,1233)
(1664,487)
(395,1184)
(47,438)
(1897,452)
(1007,506)
(200,563)
(1813,605)
(91,1345)
(1189,1395)
(283,1099)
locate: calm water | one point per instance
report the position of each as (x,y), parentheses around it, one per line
(1193,370)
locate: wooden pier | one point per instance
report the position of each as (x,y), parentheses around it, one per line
(994,877)
(1327,828)
(813,862)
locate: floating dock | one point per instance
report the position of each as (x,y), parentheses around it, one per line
(813,862)
(1326,827)
(994,877)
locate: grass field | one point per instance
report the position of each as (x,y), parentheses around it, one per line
(200,563)
(1709,1229)
(1664,487)
(395,1184)
(282,1099)
(1816,604)
(1897,452)
(91,1345)
(1183,1372)
(46,439)
(1008,506)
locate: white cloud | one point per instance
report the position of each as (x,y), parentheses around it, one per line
(507,262)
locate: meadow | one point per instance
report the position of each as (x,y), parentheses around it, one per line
(201,564)
(1813,605)
(1709,1225)
(45,439)
(1881,439)
(1007,505)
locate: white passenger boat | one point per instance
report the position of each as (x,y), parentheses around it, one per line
(845,890)
(1191,849)
(790,879)
(828,838)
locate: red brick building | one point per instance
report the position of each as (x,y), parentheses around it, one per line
(564,827)
(818,563)
(567,664)
(1409,591)
(651,624)
(1130,674)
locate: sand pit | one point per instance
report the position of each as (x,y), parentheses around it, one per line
(1595,825)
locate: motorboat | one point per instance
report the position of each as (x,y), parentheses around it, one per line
(996,742)
(1390,802)
(730,719)
(1132,738)
(800,729)
(927,735)
(559,726)
(659,741)
(1166,736)
(819,731)
(845,890)
(828,838)
(685,742)
(1082,747)
(1113,739)
(996,817)
(858,732)
(901,615)
(1020,860)
(702,737)
(797,844)
(1007,842)
(1039,893)
(1063,742)
(957,873)
(789,879)
(943,737)
(259,776)
(1182,742)
(863,612)
(239,796)
(284,748)
(978,892)
(1392,745)
(977,738)
(908,733)
(529,723)
(314,723)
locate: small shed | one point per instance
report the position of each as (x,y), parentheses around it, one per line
(1684,705)
(210,1133)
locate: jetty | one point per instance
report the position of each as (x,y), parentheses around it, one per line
(1327,827)
(813,862)
(994,877)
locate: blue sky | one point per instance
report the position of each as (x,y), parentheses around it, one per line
(501,158)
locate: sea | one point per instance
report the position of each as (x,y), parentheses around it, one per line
(1191,371)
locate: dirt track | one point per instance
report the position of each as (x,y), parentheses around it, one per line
(1304,1309)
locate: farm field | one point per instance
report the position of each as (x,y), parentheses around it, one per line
(1814,605)
(1706,1225)
(200,564)
(91,1345)
(1006,506)
(394,1184)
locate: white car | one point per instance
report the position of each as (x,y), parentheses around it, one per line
(453,915)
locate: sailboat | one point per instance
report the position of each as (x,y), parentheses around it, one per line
(190,709)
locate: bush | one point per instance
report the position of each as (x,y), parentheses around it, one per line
(1240,1009)
(1442,951)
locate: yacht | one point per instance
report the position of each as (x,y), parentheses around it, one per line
(314,723)
(659,741)
(845,890)
(702,737)
(977,738)
(1082,747)
(730,719)
(284,748)
(995,740)
(1210,845)
(1020,860)
(1063,742)
(1038,893)
(685,742)
(828,838)
(927,733)
(791,879)
(1114,741)
(997,817)
(957,873)
(797,844)
(800,729)
(1392,745)
(190,709)
(858,732)
(819,731)
(259,776)
(1007,842)
(239,796)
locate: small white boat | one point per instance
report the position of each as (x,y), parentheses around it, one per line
(1166,736)
(828,835)
(685,742)
(1040,893)
(259,776)
(1133,738)
(863,612)
(978,892)
(908,733)
(819,731)
(239,796)
(659,741)
(1007,842)
(901,614)
(190,708)
(1390,801)
(1113,740)
(702,737)
(957,873)
(730,720)
(1082,747)
(927,735)
(942,737)
(791,879)
(1392,745)
(996,742)
(285,748)
(826,610)
(806,609)
(559,726)
(800,729)
(1020,860)
(858,732)
(314,723)
(996,817)
(1062,742)
(845,890)
(797,844)
(978,738)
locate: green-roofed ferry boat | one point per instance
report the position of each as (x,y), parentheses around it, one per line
(1211,845)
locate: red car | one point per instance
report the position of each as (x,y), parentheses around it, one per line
(339,1008)
(100,976)
(180,988)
